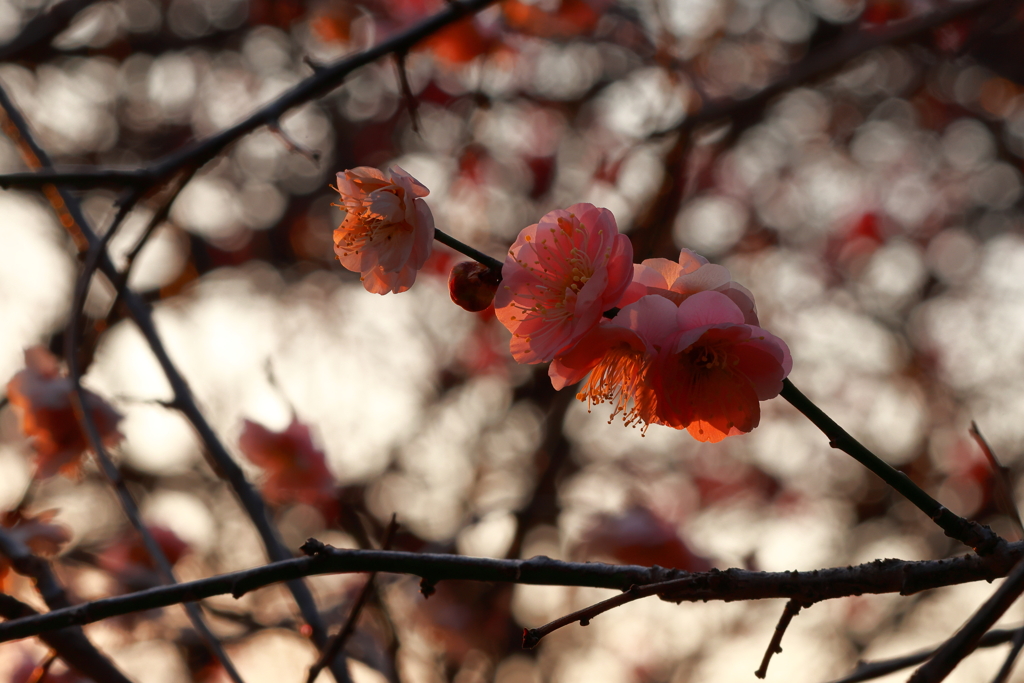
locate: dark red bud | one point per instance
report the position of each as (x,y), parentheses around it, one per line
(472,285)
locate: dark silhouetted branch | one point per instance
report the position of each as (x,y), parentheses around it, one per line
(880,576)
(92,431)
(867,671)
(791,609)
(1002,480)
(70,644)
(967,638)
(71,214)
(979,537)
(201,151)
(337,642)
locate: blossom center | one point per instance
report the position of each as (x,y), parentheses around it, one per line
(618,379)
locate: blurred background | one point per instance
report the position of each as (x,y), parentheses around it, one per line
(874,211)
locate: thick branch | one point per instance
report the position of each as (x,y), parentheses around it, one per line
(880,576)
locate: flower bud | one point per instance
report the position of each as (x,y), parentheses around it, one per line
(472,285)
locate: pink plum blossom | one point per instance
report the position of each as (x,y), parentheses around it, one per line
(388,229)
(710,375)
(560,276)
(696,366)
(692,274)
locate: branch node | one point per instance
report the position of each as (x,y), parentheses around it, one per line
(313,547)
(428,586)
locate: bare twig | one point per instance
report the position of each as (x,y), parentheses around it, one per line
(979,537)
(337,642)
(867,671)
(71,214)
(199,152)
(967,638)
(880,576)
(792,609)
(85,418)
(1011,657)
(1003,482)
(828,59)
(70,644)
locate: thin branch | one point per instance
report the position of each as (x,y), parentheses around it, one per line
(88,423)
(449,241)
(970,533)
(70,644)
(880,576)
(1011,657)
(337,643)
(867,671)
(199,152)
(828,59)
(967,638)
(791,609)
(1003,482)
(71,214)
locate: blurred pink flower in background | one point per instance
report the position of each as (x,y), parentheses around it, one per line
(295,469)
(42,397)
(559,277)
(388,231)
(677,281)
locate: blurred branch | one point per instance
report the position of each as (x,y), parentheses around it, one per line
(202,151)
(880,576)
(70,644)
(1001,474)
(966,640)
(71,214)
(867,671)
(979,537)
(337,643)
(42,29)
(829,58)
(791,609)
(92,431)
(1011,657)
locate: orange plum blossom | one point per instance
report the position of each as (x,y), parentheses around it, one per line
(692,274)
(696,366)
(711,373)
(559,278)
(44,402)
(296,470)
(388,229)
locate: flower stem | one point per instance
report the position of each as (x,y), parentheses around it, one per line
(979,537)
(449,241)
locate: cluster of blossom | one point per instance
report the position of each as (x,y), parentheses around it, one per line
(684,348)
